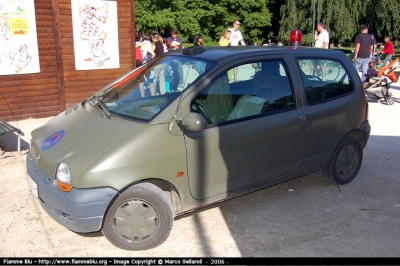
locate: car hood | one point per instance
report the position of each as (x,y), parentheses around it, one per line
(77,137)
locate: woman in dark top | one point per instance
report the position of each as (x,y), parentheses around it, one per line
(159,70)
(198,40)
(198,65)
(158,44)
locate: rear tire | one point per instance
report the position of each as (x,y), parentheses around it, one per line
(345,162)
(140,218)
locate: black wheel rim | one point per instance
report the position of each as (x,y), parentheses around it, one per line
(136,221)
(347,161)
(389,100)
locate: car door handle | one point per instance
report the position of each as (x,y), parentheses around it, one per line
(305,123)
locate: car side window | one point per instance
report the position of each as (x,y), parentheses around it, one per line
(324,80)
(261,88)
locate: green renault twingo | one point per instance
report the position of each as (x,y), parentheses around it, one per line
(194,127)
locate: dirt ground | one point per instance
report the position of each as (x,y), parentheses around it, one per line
(305,217)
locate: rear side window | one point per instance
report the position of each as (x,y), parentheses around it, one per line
(324,79)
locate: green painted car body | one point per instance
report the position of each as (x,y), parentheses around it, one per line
(201,152)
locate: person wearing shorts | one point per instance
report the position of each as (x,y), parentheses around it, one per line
(321,37)
(234,40)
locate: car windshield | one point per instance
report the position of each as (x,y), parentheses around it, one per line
(144,92)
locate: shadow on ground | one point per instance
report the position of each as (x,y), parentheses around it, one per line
(9,143)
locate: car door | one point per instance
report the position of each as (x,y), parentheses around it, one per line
(330,107)
(255,131)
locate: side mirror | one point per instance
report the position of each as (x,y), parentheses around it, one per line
(193,122)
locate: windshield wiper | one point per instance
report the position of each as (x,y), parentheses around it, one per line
(105,108)
(100,106)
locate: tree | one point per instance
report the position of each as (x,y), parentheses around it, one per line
(261,18)
(253,14)
(342,18)
(296,14)
(153,16)
(209,18)
(383,18)
(274,7)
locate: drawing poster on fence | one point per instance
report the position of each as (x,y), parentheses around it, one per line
(18,39)
(95,31)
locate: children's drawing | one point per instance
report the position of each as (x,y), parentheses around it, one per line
(95,28)
(99,56)
(21,58)
(18,39)
(4,29)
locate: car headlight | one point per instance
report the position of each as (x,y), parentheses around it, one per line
(63,177)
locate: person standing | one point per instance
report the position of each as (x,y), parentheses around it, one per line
(174,39)
(373,46)
(362,54)
(234,40)
(159,70)
(224,41)
(236,36)
(146,48)
(198,65)
(321,38)
(198,40)
(387,49)
(158,44)
(138,52)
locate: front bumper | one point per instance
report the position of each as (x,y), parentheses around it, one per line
(80,210)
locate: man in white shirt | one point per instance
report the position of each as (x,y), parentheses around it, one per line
(321,37)
(236,35)
(234,40)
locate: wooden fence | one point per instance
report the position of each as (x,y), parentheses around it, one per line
(59,85)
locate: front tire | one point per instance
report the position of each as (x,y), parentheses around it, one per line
(389,100)
(345,162)
(140,218)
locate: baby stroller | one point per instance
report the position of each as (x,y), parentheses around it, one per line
(379,87)
(376,59)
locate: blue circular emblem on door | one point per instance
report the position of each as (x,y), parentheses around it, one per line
(53,140)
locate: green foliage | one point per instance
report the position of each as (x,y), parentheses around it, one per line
(209,18)
(296,14)
(342,18)
(272,18)
(383,17)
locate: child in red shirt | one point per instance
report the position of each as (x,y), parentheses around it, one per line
(387,49)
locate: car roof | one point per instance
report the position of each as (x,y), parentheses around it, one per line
(221,52)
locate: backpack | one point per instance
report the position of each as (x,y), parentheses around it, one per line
(139,57)
(147,57)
